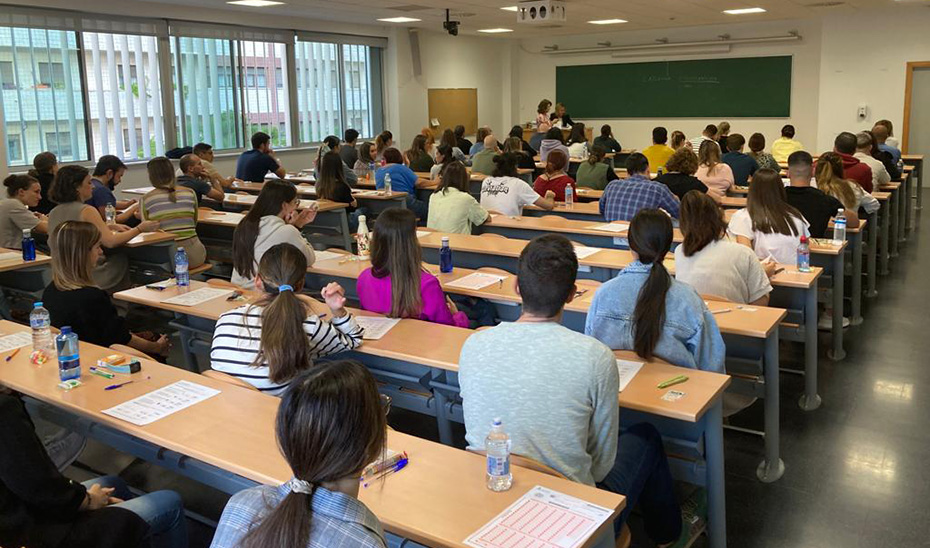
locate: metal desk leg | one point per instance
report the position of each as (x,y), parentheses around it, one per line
(344,227)
(810,400)
(837,353)
(872,257)
(771,468)
(894,210)
(884,257)
(919,170)
(442,418)
(856,286)
(190,357)
(908,196)
(716,488)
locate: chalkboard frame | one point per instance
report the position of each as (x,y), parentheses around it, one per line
(744,87)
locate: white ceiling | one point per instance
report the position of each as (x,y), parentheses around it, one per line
(641,14)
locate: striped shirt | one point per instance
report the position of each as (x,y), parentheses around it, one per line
(237,338)
(178,217)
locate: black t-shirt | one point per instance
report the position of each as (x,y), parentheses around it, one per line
(680,183)
(45,181)
(463,144)
(90,313)
(816,207)
(342,193)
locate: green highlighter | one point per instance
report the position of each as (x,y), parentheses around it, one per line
(673,381)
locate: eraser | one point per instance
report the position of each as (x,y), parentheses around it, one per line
(69,384)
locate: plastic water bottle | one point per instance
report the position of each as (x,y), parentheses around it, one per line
(839,226)
(41,325)
(497,446)
(363,237)
(69,358)
(371,171)
(181,275)
(445,256)
(804,255)
(110,212)
(387,183)
(29,245)
(569,196)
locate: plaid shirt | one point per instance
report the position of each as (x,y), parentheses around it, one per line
(339,521)
(623,198)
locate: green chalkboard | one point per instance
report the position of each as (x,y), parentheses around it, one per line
(709,88)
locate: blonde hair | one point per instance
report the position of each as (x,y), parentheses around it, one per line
(831,183)
(73,243)
(161,175)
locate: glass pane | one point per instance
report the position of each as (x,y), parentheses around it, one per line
(318,91)
(207,95)
(40,82)
(124,94)
(265,102)
(358,89)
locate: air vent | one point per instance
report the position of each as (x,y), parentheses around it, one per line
(408,8)
(825,4)
(462,14)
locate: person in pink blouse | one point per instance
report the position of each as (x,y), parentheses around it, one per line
(716,175)
(542,116)
(396,284)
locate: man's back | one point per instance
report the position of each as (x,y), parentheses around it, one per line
(743,166)
(816,207)
(554,389)
(349,154)
(483,162)
(253,165)
(623,198)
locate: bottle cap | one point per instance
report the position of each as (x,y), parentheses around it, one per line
(66,330)
(445,239)
(803,239)
(180,248)
(37,305)
(27,232)
(496,421)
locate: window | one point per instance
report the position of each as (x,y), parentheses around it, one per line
(265,107)
(358,90)
(120,106)
(42,95)
(318,98)
(206,109)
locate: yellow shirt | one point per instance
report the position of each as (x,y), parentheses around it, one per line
(658,155)
(784,147)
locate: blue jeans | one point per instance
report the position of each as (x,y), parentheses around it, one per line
(162,510)
(641,474)
(419,207)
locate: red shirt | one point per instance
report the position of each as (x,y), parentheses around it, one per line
(858,171)
(556,184)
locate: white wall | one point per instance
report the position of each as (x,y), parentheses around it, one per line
(536,77)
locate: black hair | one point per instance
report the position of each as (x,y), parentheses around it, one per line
(650,236)
(546,274)
(787,131)
(659,135)
(200,148)
(637,163)
(350,135)
(505,164)
(259,138)
(107,163)
(845,143)
(516,131)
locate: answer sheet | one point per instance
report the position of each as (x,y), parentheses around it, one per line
(583,252)
(198,296)
(11,256)
(328,255)
(375,326)
(16,340)
(610,227)
(150,407)
(542,518)
(628,369)
(477,280)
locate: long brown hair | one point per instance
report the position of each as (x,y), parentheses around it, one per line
(829,175)
(650,236)
(274,194)
(395,252)
(709,155)
(768,206)
(330,425)
(577,134)
(701,221)
(454,175)
(417,148)
(71,247)
(381,141)
(161,175)
(448,138)
(556,162)
(332,175)
(67,183)
(364,152)
(678,140)
(284,345)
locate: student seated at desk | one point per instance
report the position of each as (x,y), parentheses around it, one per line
(714,173)
(108,173)
(741,164)
(853,168)
(723,137)
(884,157)
(204,151)
(785,145)
(679,140)
(366,157)
(444,157)
(659,153)
(505,193)
(679,177)
(623,198)
(193,177)
(882,133)
(880,175)
(272,220)
(403,179)
(23,192)
(332,144)
(480,136)
(554,179)
(711,263)
(483,161)
(396,283)
(73,299)
(44,168)
(606,139)
(174,208)
(269,342)
(645,310)
(757,152)
(556,368)
(577,142)
(330,426)
(43,508)
(460,140)
(890,140)
(768,224)
(70,190)
(830,181)
(553,141)
(448,139)
(347,150)
(383,141)
(516,132)
(451,207)
(253,165)
(417,156)
(709,134)
(594,172)
(816,206)
(332,185)
(514,145)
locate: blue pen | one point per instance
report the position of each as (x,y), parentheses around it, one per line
(115,386)
(396,468)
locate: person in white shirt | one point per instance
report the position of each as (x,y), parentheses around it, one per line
(714,265)
(880,175)
(709,134)
(269,342)
(578,142)
(506,194)
(769,225)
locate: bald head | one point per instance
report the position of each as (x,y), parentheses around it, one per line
(490,142)
(880,133)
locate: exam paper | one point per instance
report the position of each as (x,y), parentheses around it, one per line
(375,326)
(242,198)
(610,227)
(542,518)
(16,340)
(150,407)
(328,255)
(583,252)
(11,256)
(197,296)
(628,369)
(421,233)
(477,280)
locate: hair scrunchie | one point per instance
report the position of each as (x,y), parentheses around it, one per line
(284,287)
(300,486)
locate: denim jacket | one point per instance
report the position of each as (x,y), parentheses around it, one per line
(690,337)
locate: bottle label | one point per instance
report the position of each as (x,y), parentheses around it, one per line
(498,466)
(39,323)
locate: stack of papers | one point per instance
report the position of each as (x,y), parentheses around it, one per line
(477,280)
(198,296)
(375,326)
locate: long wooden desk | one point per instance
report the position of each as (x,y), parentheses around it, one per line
(400,353)
(23,277)
(17,263)
(234,432)
(581,211)
(375,201)
(331,219)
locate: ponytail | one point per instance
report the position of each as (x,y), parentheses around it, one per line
(650,236)
(161,175)
(288,523)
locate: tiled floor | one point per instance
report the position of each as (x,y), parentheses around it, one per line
(856,469)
